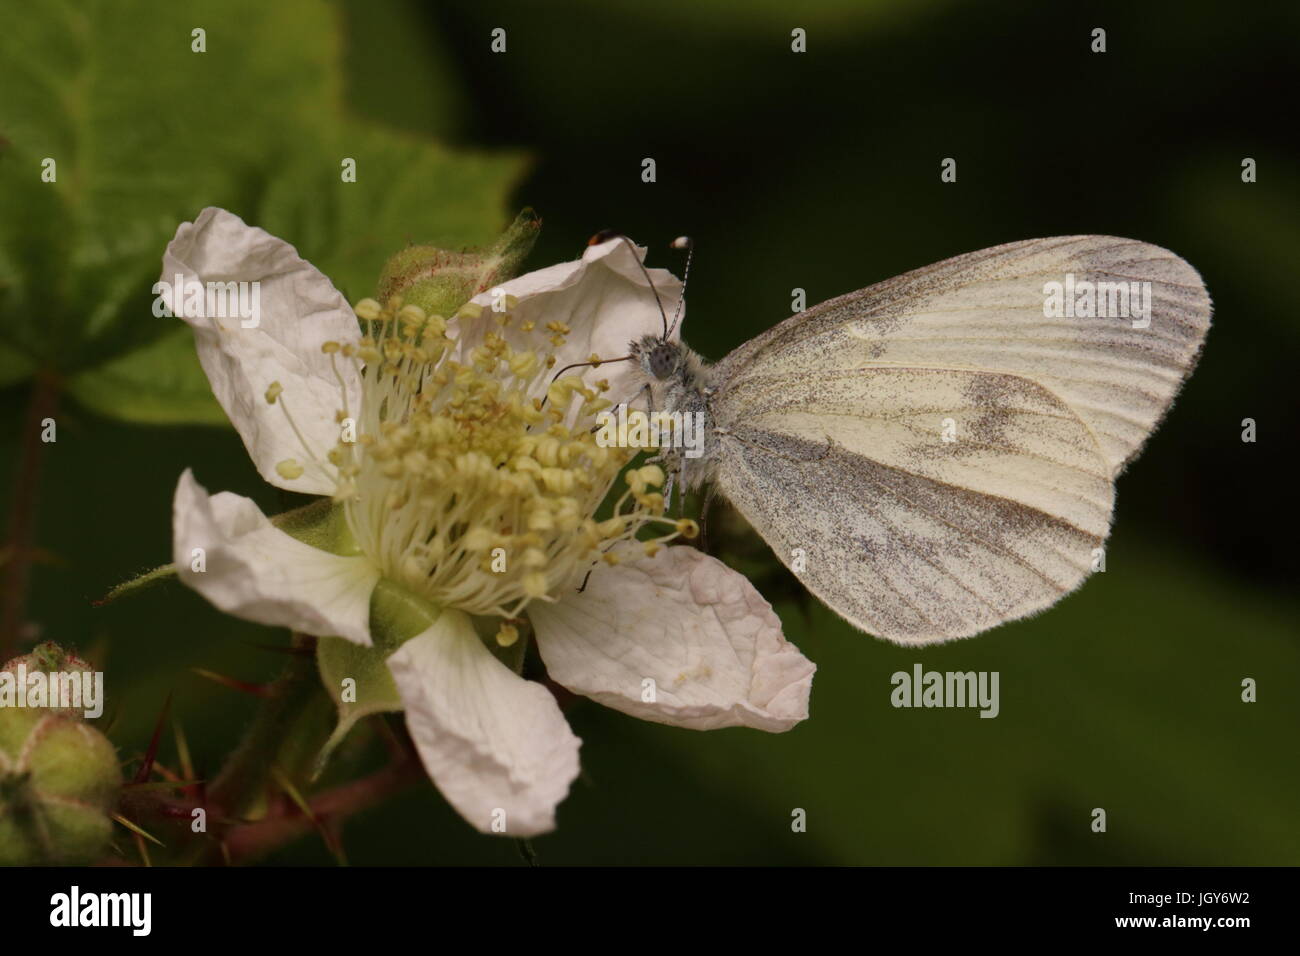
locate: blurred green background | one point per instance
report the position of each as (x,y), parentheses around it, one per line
(818,171)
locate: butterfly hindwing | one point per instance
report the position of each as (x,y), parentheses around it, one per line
(908,535)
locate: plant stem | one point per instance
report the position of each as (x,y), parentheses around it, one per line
(243,780)
(251,840)
(42,404)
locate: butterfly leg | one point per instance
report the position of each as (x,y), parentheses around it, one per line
(673,466)
(704,517)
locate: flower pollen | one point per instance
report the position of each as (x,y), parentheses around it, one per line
(474,480)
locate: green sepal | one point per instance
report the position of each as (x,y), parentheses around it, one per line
(396,616)
(139,583)
(372,690)
(321,524)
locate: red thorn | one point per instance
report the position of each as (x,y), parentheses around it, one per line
(244,687)
(146,766)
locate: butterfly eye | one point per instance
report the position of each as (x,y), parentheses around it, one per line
(662,362)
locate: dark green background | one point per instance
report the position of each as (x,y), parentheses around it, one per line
(821,171)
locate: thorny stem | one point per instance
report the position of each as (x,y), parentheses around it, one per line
(43,403)
(246,779)
(249,841)
(243,779)
(285,821)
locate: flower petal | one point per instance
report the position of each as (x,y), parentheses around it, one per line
(298,311)
(254,570)
(605,300)
(496,745)
(699,630)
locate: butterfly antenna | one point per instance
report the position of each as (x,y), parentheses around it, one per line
(687,243)
(594,364)
(607,234)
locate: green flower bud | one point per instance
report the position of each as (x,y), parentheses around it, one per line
(440,281)
(50,658)
(59,778)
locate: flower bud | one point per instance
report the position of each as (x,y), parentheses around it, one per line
(59,777)
(440,281)
(49,658)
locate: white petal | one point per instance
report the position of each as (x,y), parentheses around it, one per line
(299,310)
(496,745)
(606,301)
(699,630)
(255,571)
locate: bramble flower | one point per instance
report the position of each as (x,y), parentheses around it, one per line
(465,479)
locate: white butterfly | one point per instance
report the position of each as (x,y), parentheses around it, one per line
(936,454)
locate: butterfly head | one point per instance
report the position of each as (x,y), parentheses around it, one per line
(658,358)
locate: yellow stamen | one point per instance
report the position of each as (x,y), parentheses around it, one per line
(463,485)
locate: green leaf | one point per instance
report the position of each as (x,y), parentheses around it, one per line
(135,150)
(407,190)
(254,124)
(416,84)
(160,384)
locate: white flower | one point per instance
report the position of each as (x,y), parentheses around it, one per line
(467,452)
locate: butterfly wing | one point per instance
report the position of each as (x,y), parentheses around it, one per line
(985,311)
(933,455)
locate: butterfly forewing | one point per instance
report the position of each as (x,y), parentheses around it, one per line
(985,310)
(935,455)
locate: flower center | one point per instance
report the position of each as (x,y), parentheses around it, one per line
(473,478)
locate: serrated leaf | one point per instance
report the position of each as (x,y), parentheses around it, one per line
(135,150)
(255,121)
